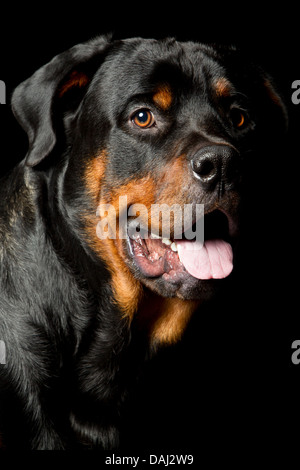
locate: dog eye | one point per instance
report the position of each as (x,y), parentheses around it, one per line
(143,118)
(238,118)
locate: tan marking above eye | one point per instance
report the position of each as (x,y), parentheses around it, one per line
(222,87)
(163,97)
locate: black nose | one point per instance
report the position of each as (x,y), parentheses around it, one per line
(214,164)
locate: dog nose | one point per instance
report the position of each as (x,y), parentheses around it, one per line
(214,164)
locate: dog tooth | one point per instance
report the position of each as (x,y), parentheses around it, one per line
(166,241)
(174,246)
(153,235)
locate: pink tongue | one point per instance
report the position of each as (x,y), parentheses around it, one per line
(213,259)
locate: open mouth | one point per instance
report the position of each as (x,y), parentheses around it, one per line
(177,259)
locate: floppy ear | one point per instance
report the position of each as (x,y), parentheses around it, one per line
(32,100)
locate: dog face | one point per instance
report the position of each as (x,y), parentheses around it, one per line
(162,123)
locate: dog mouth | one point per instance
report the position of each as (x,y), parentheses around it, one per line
(177,259)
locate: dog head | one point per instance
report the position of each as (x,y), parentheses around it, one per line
(154,135)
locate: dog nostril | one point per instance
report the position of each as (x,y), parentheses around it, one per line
(205,167)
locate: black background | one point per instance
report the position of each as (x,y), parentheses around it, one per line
(229,389)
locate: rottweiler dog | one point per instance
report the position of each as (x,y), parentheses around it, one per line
(115,126)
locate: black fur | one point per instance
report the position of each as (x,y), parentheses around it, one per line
(71,355)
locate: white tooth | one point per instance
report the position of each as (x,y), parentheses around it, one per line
(166,241)
(153,235)
(174,246)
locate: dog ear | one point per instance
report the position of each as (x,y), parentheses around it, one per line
(33,99)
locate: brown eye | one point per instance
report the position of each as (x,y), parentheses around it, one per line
(143,118)
(238,118)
